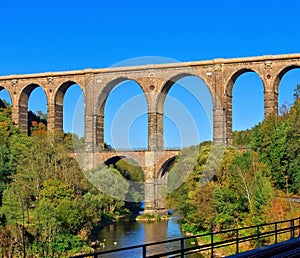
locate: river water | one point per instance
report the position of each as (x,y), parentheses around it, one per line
(129,233)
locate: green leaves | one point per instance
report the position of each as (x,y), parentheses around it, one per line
(54,190)
(236,195)
(277,142)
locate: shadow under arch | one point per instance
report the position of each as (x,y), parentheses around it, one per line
(23,105)
(128,160)
(162,186)
(166,166)
(59,96)
(113,160)
(101,105)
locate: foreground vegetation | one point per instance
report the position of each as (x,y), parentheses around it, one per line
(253,182)
(49,209)
(47,206)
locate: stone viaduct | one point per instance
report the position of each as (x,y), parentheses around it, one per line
(155,81)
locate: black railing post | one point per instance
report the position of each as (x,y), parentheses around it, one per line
(299,227)
(276,233)
(237,241)
(258,235)
(182,247)
(144,251)
(212,245)
(292,228)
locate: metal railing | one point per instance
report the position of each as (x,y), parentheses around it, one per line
(233,239)
(111,149)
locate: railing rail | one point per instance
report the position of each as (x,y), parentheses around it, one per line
(216,240)
(175,148)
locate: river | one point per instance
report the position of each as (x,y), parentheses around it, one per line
(129,233)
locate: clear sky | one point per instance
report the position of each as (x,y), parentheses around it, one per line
(40,36)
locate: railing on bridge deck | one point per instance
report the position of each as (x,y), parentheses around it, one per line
(210,243)
(110,149)
(175,148)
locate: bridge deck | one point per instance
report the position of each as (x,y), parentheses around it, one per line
(289,248)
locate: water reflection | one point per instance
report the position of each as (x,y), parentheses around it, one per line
(129,233)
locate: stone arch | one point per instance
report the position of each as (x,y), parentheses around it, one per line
(235,76)
(162,180)
(59,95)
(160,104)
(165,167)
(281,73)
(111,158)
(62,89)
(9,94)
(170,82)
(279,77)
(23,104)
(104,94)
(114,159)
(101,102)
(228,98)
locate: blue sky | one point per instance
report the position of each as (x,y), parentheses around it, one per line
(40,36)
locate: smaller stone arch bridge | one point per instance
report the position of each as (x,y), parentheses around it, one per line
(144,158)
(154,164)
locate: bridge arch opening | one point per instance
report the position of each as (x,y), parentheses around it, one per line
(164,186)
(69,109)
(113,160)
(187,104)
(166,167)
(129,169)
(122,116)
(245,99)
(285,85)
(33,108)
(5,98)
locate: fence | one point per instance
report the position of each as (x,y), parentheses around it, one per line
(234,240)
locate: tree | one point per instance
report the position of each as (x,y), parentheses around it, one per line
(293,147)
(297,92)
(276,141)
(7,161)
(111,184)
(236,195)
